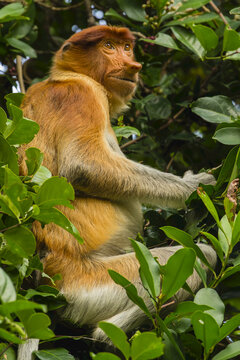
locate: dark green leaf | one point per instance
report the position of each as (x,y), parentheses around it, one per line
(189,40)
(206,329)
(158,108)
(206,36)
(125,131)
(37,326)
(133,9)
(231,351)
(228,135)
(55,191)
(130,290)
(150,269)
(210,297)
(177,270)
(3,120)
(231,40)
(216,244)
(10,337)
(236,231)
(21,241)
(11,11)
(104,356)
(47,216)
(117,336)
(34,160)
(8,156)
(192,4)
(112,13)
(20,45)
(7,290)
(54,354)
(146,346)
(193,19)
(20,305)
(163,40)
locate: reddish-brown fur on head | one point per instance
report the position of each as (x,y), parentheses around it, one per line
(115,68)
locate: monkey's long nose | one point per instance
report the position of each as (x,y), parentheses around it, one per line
(134,66)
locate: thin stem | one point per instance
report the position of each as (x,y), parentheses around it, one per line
(143,136)
(20,73)
(218,11)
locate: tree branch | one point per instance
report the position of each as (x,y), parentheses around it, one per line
(54,8)
(218,11)
(143,136)
(20,73)
(91,20)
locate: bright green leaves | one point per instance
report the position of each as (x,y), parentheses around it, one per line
(149,269)
(133,9)
(7,290)
(11,12)
(55,354)
(144,346)
(20,241)
(163,40)
(206,36)
(220,110)
(231,40)
(177,270)
(20,45)
(189,40)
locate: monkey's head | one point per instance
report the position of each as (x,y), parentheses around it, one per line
(104,53)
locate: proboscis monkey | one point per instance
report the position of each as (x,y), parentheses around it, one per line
(93,76)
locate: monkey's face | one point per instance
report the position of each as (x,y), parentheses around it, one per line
(120,70)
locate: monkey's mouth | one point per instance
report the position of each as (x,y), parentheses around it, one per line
(124,79)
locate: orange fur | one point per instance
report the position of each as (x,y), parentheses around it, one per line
(93,76)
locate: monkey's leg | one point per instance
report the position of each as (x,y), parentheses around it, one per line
(97,298)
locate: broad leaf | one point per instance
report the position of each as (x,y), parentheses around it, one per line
(34,160)
(163,40)
(206,36)
(7,290)
(192,4)
(37,326)
(20,241)
(133,9)
(210,297)
(231,40)
(231,351)
(8,156)
(205,328)
(228,135)
(146,346)
(189,40)
(54,354)
(20,45)
(117,336)
(177,270)
(150,269)
(125,131)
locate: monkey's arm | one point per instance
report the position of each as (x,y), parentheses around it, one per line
(99,171)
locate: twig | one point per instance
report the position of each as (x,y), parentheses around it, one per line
(20,73)
(8,346)
(9,228)
(139,34)
(143,136)
(91,20)
(218,11)
(54,8)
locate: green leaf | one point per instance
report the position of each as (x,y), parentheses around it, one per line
(149,268)
(230,271)
(130,290)
(20,305)
(189,40)
(7,290)
(14,98)
(209,205)
(225,234)
(34,160)
(236,231)
(26,49)
(177,270)
(146,346)
(133,9)
(112,13)
(41,175)
(53,354)
(235,11)
(3,120)
(193,19)
(230,352)
(185,240)
(37,327)
(163,40)
(21,241)
(55,216)
(117,336)
(227,167)
(229,327)
(125,131)
(9,353)
(8,156)
(55,191)
(216,244)
(9,337)
(231,40)
(228,135)
(210,297)
(192,4)
(216,109)
(10,12)
(206,36)
(205,328)
(158,107)
(21,130)
(185,309)
(104,356)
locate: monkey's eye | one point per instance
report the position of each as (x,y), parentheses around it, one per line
(127,47)
(109,45)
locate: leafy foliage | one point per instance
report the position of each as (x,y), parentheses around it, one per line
(185,115)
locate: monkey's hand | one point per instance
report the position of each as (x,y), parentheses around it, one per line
(193,180)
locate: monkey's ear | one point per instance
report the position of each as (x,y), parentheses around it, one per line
(66,47)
